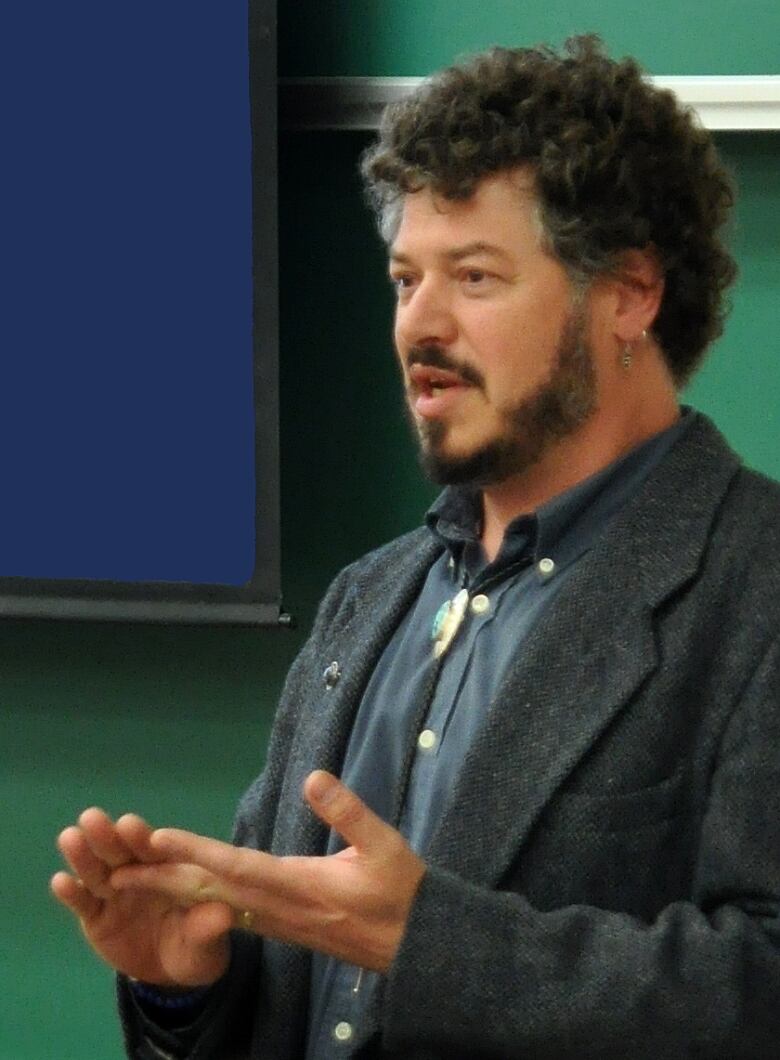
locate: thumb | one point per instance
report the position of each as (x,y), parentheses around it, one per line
(341,808)
(208,923)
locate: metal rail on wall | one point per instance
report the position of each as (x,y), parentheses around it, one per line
(738,103)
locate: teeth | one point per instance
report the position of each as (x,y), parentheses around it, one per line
(436,388)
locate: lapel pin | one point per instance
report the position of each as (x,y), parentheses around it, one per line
(331,675)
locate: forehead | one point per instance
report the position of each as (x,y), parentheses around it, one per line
(502,211)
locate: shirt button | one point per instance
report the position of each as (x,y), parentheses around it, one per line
(546,567)
(426,741)
(480,604)
(342,1032)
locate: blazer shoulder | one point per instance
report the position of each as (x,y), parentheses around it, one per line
(743,553)
(750,515)
(758,490)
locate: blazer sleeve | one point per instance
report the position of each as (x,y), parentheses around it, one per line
(702,979)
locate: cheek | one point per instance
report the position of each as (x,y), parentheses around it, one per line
(522,352)
(514,369)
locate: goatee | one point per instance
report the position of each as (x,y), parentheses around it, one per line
(558,407)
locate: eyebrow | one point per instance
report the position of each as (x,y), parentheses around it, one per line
(456,254)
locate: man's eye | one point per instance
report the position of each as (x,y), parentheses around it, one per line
(475,276)
(402,281)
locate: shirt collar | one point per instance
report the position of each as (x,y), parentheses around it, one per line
(563,528)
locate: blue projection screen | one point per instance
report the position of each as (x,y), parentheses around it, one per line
(139,331)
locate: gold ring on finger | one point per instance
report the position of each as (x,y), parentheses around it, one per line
(246,920)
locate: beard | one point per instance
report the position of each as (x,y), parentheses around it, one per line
(558,407)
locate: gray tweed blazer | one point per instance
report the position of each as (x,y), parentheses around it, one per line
(606,881)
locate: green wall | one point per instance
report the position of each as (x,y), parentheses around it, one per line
(172,721)
(408,38)
(739,384)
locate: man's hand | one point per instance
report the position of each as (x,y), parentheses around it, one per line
(144,934)
(352,905)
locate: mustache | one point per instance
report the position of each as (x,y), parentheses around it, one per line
(436,357)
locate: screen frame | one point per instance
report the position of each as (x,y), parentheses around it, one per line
(258,602)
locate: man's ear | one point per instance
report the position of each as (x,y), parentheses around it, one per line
(638,290)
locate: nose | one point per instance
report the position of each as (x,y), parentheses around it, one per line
(425,316)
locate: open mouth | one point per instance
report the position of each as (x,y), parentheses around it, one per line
(434,393)
(426,381)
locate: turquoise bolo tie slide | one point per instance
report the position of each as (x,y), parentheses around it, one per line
(447,622)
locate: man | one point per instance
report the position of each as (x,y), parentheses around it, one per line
(554,710)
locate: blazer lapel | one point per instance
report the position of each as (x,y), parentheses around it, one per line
(383,594)
(584,660)
(572,675)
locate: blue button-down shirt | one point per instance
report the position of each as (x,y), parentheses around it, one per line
(419,714)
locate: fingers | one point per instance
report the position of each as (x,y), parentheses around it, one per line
(334,803)
(208,922)
(212,906)
(135,833)
(341,808)
(88,868)
(103,838)
(75,896)
(185,884)
(94,847)
(239,865)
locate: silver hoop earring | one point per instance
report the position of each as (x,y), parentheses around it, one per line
(627,357)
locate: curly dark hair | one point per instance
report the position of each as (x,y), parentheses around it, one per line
(618,164)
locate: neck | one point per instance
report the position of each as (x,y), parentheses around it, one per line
(604,438)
